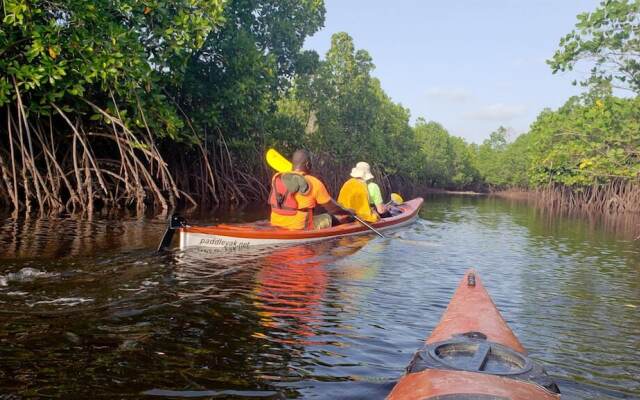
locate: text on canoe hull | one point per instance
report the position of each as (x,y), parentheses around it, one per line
(226,243)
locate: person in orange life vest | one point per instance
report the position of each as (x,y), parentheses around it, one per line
(294,196)
(364,198)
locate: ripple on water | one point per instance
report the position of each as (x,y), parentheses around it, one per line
(339,319)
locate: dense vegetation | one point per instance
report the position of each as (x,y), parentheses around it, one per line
(586,154)
(346,117)
(156,103)
(138,103)
(141,103)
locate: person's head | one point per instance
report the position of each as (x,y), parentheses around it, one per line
(302,161)
(362,171)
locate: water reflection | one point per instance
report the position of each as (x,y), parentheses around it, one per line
(88,309)
(53,238)
(289,289)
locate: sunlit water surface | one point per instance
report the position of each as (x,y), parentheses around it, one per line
(88,310)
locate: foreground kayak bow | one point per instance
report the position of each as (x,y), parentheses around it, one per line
(472,354)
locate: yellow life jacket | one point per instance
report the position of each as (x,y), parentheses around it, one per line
(355,195)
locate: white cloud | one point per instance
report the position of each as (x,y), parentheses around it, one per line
(497,112)
(454,95)
(530,60)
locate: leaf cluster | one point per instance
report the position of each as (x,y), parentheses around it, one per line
(587,142)
(608,40)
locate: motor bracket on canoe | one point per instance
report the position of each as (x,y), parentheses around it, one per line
(175,222)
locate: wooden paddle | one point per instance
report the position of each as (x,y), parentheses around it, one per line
(278,162)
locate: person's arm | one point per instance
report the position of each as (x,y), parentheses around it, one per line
(376,197)
(324,199)
(334,208)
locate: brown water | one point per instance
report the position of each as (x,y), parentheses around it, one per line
(88,310)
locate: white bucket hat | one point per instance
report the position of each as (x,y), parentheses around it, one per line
(362,171)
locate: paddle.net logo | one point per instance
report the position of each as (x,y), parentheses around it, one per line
(226,244)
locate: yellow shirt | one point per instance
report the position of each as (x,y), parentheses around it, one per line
(317,195)
(355,195)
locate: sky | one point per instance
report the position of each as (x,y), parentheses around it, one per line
(470,65)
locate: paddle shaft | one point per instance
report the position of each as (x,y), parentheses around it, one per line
(368,226)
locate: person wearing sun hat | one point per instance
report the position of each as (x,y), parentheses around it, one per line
(360,194)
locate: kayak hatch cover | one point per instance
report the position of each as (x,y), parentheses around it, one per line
(472,354)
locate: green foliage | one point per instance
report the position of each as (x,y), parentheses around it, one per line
(490,161)
(437,152)
(346,127)
(465,171)
(232,74)
(234,82)
(61,52)
(224,66)
(344,112)
(587,142)
(444,160)
(346,116)
(593,139)
(516,162)
(609,38)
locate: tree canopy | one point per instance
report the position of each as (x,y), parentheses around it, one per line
(347,117)
(160,102)
(608,39)
(593,139)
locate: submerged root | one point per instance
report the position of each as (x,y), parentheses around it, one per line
(615,197)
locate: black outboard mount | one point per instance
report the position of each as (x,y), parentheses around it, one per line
(175,222)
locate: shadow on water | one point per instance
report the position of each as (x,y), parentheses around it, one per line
(88,309)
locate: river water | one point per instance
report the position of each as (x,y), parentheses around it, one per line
(88,310)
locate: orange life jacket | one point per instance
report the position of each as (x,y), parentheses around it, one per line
(283,201)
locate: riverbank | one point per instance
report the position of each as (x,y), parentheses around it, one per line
(454,192)
(613,198)
(624,223)
(513,194)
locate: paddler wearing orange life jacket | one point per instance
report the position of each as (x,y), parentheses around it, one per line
(295,195)
(362,195)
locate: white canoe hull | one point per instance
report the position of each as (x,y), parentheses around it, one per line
(194,239)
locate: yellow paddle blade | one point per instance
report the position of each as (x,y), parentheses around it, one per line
(396,198)
(278,162)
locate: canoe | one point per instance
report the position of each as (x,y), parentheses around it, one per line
(473,354)
(261,233)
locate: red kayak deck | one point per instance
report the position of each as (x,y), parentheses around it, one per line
(433,383)
(471,310)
